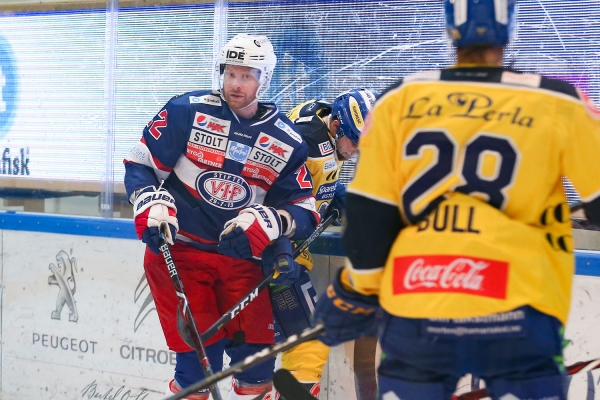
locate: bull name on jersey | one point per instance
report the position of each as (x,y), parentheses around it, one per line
(467,105)
(450,218)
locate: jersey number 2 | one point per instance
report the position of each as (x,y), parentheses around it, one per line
(444,166)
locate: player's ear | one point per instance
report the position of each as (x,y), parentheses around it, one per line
(335,124)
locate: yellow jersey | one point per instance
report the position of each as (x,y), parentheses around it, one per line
(322,162)
(472,159)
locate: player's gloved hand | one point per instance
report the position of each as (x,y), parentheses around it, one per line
(337,203)
(278,255)
(247,235)
(345,315)
(154,211)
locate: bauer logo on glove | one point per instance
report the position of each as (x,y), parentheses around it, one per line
(155,211)
(155,196)
(247,235)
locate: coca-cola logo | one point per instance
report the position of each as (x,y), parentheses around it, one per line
(450,273)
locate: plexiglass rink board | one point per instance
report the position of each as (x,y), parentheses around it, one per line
(53,109)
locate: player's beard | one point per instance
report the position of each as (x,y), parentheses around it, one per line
(237,100)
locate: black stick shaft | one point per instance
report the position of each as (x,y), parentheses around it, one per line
(240,305)
(188,317)
(250,361)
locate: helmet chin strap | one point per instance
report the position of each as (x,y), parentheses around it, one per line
(252,102)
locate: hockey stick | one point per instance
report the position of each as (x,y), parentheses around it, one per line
(240,305)
(250,361)
(365,375)
(575,207)
(186,313)
(289,387)
(581,366)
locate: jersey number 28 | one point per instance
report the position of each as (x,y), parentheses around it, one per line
(444,166)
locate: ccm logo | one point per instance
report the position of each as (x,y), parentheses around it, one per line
(240,55)
(236,310)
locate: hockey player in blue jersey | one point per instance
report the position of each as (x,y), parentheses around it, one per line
(226,174)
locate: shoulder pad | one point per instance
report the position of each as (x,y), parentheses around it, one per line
(320,108)
(303,119)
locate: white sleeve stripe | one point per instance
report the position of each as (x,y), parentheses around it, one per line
(187,171)
(372,197)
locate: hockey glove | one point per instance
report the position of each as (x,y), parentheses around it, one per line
(154,210)
(345,315)
(278,255)
(338,203)
(247,235)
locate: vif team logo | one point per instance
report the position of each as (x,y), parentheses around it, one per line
(63,276)
(8,86)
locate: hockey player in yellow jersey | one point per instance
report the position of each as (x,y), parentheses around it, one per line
(458,233)
(331,132)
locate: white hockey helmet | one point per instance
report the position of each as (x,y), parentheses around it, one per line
(255,51)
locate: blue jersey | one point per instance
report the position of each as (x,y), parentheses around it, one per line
(216,163)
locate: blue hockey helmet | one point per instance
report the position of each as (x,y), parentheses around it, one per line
(479,23)
(351,108)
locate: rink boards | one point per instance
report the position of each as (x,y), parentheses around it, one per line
(78,320)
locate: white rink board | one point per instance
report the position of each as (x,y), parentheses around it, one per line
(114,347)
(104,348)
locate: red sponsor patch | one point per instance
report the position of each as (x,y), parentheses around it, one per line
(259,171)
(205,155)
(450,274)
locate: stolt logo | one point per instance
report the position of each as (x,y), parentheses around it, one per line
(8,86)
(450,274)
(63,276)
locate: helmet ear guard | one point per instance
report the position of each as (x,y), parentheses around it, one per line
(479,23)
(254,51)
(350,109)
